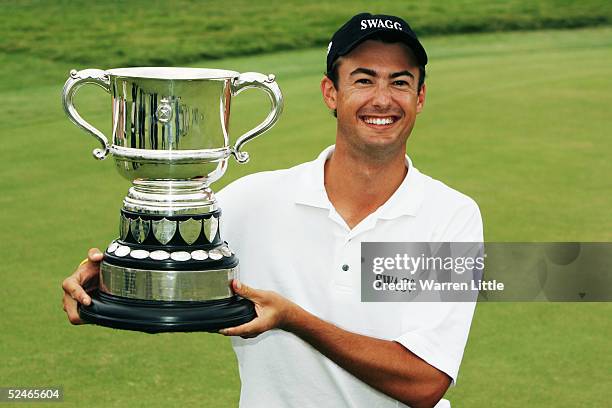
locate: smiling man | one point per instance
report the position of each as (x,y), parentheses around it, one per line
(313,342)
(332,349)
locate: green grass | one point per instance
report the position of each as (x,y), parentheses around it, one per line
(153,32)
(520,121)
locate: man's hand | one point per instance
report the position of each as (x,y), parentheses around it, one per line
(273,311)
(86,275)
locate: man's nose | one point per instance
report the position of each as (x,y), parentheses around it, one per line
(382,97)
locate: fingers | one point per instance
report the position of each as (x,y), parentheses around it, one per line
(74,293)
(255,326)
(247,330)
(85,273)
(245,291)
(91,268)
(70,307)
(73,289)
(73,285)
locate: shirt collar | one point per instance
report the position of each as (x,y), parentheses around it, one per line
(406,200)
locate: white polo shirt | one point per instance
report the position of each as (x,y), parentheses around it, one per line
(290,239)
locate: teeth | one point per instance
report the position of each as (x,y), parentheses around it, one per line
(378,121)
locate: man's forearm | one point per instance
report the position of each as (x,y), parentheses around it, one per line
(383,364)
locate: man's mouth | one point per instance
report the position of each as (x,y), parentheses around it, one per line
(379,121)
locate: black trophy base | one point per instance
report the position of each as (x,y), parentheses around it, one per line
(165,316)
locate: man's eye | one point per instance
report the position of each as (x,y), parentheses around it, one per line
(401,83)
(363,81)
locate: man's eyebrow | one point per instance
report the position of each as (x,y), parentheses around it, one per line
(401,73)
(373,73)
(366,71)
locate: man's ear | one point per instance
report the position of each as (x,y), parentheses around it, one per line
(330,94)
(421,99)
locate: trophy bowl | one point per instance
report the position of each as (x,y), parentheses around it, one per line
(169,269)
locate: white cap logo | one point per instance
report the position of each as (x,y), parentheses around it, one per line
(329,47)
(380,23)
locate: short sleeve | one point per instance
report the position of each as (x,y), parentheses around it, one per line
(441,342)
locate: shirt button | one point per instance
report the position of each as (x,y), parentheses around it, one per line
(345,267)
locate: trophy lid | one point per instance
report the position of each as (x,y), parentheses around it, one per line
(172,73)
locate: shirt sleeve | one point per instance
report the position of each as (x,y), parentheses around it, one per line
(442,341)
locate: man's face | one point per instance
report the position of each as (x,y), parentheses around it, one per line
(376,98)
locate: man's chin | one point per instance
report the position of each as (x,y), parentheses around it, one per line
(381,148)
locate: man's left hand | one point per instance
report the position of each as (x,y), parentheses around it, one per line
(273,311)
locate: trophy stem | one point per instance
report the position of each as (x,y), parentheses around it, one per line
(170,197)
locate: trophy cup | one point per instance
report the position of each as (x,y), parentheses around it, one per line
(169,270)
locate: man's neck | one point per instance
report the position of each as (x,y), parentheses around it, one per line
(357,184)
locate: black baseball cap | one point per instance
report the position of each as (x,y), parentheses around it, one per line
(365,25)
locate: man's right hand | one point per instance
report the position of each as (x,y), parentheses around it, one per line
(85,276)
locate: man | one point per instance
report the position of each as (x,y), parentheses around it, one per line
(314,343)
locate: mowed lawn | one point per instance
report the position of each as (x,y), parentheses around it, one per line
(522,122)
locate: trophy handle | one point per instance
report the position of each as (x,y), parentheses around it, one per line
(72,85)
(267,84)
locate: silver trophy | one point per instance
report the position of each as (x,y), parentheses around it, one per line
(170,270)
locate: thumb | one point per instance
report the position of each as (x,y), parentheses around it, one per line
(94,255)
(244,290)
